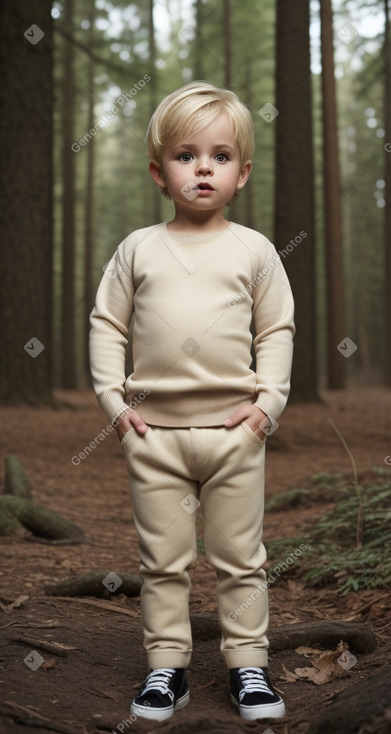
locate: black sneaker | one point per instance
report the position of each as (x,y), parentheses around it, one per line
(254,695)
(164,691)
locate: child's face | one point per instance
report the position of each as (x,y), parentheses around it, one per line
(203,171)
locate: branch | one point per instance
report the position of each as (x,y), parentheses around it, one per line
(98,59)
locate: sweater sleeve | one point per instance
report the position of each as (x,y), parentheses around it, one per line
(110,320)
(273,311)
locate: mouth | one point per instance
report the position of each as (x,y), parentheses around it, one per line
(205,187)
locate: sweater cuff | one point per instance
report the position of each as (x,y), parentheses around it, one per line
(271,406)
(113,404)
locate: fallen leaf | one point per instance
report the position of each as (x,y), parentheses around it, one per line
(289,676)
(308,651)
(316,676)
(325,667)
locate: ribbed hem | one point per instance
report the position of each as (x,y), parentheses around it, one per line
(195,412)
(168,659)
(198,411)
(246,658)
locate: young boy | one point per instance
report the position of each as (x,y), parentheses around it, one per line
(193,416)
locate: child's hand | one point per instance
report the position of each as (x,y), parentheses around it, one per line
(127,420)
(252,415)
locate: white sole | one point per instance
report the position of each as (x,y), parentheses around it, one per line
(266,711)
(156,714)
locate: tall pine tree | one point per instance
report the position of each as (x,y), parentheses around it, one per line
(26,108)
(336,331)
(294,190)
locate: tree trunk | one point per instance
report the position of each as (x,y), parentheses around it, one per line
(294,189)
(248,191)
(387,178)
(156,195)
(335,302)
(227,44)
(89,211)
(198,49)
(68,210)
(26,227)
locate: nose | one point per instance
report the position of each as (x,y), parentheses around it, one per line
(204,166)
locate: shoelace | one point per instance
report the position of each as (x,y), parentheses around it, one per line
(253,681)
(159,680)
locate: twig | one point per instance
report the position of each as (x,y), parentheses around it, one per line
(53,647)
(8,606)
(206,685)
(359,529)
(8,625)
(368,604)
(381,629)
(108,606)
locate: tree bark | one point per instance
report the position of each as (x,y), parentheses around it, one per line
(248,192)
(198,50)
(89,210)
(156,195)
(335,302)
(294,188)
(387,178)
(227,44)
(26,226)
(68,208)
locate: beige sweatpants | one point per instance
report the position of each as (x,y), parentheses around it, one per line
(172,471)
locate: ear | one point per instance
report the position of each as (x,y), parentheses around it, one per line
(244,175)
(156,173)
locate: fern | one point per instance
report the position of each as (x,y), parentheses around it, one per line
(333,554)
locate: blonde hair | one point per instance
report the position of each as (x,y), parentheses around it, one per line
(190,108)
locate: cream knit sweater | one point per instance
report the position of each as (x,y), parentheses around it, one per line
(192,298)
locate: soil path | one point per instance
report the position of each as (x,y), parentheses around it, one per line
(88,690)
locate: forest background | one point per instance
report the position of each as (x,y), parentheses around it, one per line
(80,81)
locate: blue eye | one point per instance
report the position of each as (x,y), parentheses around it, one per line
(221,157)
(185,157)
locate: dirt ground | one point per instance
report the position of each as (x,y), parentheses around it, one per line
(89,690)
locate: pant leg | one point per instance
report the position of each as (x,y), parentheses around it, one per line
(232,498)
(159,481)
